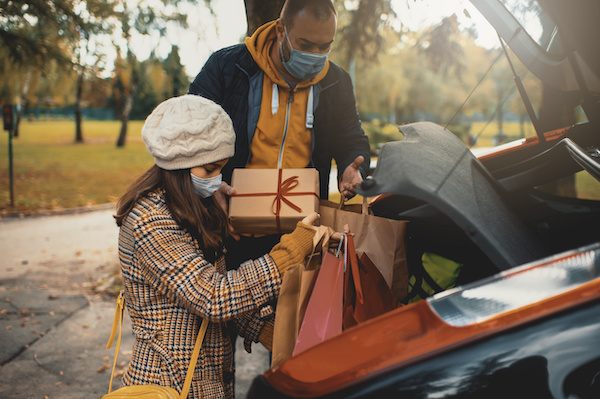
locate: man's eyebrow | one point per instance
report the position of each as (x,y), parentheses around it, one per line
(315,44)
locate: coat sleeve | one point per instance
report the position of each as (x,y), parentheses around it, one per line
(350,140)
(169,260)
(250,324)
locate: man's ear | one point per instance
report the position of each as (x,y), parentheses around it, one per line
(280,29)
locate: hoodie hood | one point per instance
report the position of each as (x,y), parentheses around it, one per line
(259,45)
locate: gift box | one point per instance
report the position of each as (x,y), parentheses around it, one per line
(270,201)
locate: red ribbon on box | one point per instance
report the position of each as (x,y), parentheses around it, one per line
(284,189)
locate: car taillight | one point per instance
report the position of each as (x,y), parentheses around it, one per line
(517,288)
(443,322)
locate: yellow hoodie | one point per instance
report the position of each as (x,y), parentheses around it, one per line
(282,138)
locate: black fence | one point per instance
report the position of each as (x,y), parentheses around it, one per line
(62,113)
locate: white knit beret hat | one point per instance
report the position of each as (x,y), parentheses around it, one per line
(188,131)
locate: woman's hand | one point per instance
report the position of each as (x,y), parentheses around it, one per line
(222,198)
(310,220)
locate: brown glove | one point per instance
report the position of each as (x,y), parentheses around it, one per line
(293,247)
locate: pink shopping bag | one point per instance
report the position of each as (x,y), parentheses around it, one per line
(323,317)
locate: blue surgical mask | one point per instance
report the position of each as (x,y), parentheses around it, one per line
(302,64)
(206,187)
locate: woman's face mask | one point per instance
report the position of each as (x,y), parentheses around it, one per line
(302,64)
(206,187)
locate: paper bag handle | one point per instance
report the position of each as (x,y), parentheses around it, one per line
(353,260)
(322,236)
(364,207)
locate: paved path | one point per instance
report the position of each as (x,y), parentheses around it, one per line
(55,316)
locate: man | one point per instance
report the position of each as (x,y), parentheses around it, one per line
(291,107)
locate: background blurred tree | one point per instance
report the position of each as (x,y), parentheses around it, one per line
(259,12)
(33,34)
(148,18)
(177,81)
(97,17)
(443,51)
(150,87)
(126,78)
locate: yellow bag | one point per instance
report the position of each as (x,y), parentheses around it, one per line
(148,391)
(143,392)
(434,274)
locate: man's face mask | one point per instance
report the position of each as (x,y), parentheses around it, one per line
(206,187)
(302,64)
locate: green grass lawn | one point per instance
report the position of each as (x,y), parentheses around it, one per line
(51,172)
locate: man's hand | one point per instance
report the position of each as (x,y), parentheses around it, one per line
(221,196)
(351,178)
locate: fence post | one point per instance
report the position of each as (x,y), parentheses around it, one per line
(7,118)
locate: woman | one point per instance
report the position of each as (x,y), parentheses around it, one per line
(172,256)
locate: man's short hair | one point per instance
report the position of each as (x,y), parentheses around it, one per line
(320,9)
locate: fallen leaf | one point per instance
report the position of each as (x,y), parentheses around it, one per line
(8,328)
(103,368)
(53,297)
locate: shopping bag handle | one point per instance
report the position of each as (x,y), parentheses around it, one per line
(322,236)
(353,260)
(364,204)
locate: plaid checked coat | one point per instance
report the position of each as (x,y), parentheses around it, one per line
(170,288)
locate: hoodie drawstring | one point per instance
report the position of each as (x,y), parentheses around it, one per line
(310,117)
(275,99)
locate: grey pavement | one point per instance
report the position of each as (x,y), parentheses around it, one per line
(56,310)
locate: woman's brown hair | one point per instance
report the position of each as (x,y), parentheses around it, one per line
(203,218)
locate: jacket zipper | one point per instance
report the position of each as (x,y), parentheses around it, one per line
(285,128)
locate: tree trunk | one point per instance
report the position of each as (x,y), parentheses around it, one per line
(23,102)
(78,106)
(125,119)
(259,12)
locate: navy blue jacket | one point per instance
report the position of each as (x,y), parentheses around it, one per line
(232,79)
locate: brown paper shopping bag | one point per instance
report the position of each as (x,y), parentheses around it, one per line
(382,239)
(296,288)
